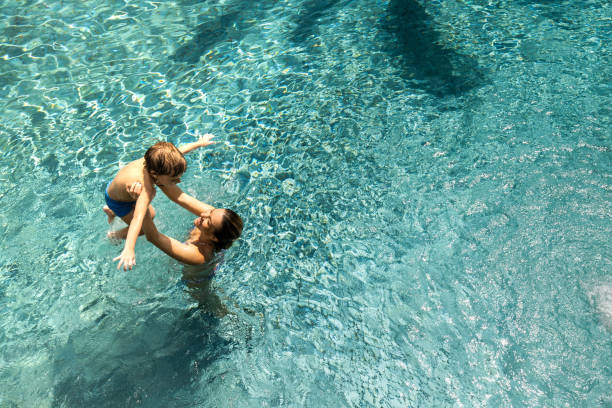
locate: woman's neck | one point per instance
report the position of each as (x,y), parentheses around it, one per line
(201,237)
(194,235)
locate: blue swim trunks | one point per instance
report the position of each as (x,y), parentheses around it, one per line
(120,208)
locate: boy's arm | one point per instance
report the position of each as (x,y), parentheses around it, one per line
(186,201)
(127,259)
(204,140)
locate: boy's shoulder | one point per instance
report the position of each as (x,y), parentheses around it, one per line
(133,171)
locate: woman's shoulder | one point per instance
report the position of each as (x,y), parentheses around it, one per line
(206,249)
(206,270)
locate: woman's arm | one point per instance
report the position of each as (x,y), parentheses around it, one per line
(186,253)
(186,201)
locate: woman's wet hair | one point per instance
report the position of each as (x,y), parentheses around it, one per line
(230,230)
(164,159)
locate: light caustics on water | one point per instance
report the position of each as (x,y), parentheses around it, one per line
(425,188)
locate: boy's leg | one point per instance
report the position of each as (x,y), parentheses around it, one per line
(134,191)
(109,213)
(122,233)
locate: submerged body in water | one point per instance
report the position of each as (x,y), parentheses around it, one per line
(198,280)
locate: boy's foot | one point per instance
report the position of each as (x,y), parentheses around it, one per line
(114,239)
(109,213)
(119,234)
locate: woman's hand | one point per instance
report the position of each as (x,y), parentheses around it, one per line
(134,190)
(127,259)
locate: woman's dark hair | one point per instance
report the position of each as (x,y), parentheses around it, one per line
(230,230)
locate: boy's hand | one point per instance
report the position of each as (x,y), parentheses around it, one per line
(127,259)
(205,140)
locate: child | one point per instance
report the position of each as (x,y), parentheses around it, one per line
(162,165)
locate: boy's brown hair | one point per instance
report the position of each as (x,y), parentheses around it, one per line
(164,159)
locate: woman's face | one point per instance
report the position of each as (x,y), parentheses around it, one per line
(210,221)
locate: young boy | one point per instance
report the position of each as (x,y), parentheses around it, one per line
(162,165)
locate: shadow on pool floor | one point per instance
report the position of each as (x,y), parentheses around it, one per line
(235,20)
(416,43)
(143,358)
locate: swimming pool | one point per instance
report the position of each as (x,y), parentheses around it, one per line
(425,188)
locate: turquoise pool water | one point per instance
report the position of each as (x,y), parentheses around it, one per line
(426,188)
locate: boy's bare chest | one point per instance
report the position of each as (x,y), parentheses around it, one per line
(128,175)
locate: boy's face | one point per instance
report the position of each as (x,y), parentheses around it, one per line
(164,180)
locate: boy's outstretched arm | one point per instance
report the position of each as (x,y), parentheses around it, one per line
(186,201)
(204,140)
(127,259)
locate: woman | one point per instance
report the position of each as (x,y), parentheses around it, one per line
(215,229)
